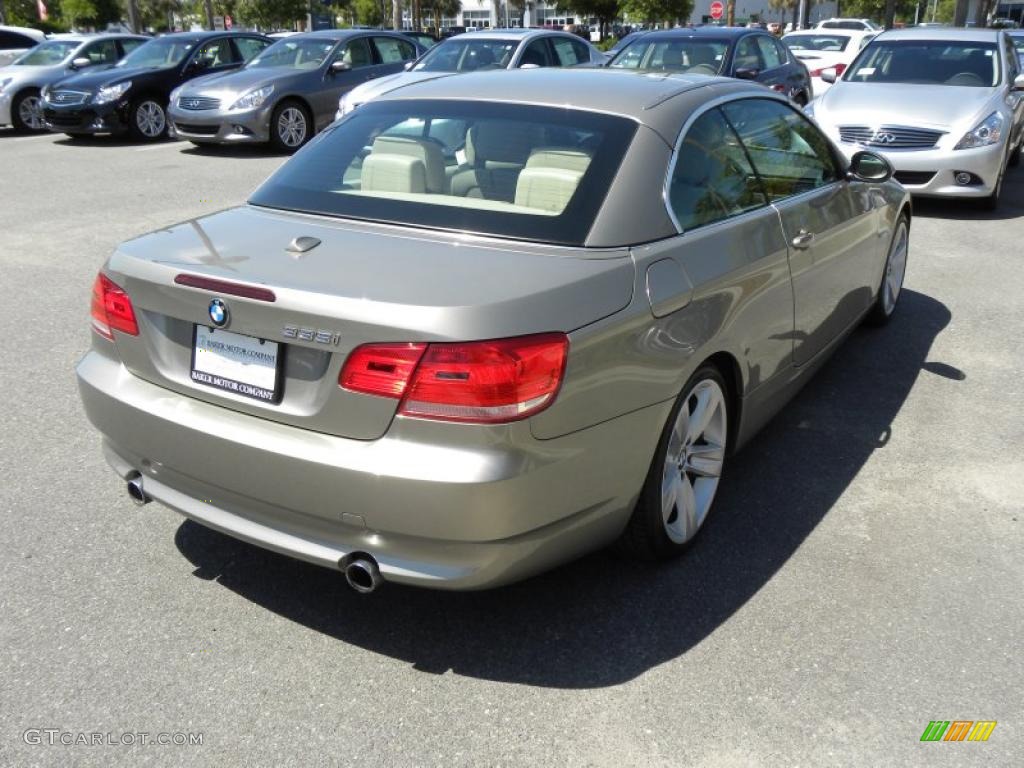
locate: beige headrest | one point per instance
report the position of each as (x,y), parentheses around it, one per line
(427,152)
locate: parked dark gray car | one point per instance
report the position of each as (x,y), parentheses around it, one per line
(290,91)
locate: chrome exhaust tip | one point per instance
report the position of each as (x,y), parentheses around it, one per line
(137,493)
(362,574)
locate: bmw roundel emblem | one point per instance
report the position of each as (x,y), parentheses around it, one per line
(219,313)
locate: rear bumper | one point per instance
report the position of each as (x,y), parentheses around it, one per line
(221,126)
(432,513)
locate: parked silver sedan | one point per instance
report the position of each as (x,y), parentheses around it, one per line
(22,81)
(945,107)
(480,51)
(459,339)
(290,91)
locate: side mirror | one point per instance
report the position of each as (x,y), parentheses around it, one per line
(829,75)
(340,66)
(408,65)
(869,167)
(747,73)
(1018,83)
(81,62)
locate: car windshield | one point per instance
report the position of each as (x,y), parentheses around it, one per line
(161,52)
(680,55)
(510,170)
(468,54)
(812,42)
(294,54)
(50,52)
(928,62)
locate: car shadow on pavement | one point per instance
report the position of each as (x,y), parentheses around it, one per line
(104,142)
(253,151)
(603,620)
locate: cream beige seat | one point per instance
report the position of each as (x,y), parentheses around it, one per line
(550,178)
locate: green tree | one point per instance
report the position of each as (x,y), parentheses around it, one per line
(271,14)
(370,12)
(653,11)
(78,13)
(605,11)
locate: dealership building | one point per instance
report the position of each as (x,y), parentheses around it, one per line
(488,14)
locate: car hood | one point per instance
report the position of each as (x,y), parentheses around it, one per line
(941,106)
(382,85)
(242,81)
(94,80)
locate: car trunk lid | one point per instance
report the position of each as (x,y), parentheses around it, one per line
(358,283)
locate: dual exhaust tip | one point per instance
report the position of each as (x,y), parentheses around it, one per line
(361,571)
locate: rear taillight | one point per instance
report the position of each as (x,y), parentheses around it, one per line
(484,382)
(839,68)
(111,309)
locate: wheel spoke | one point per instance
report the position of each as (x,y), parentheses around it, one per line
(670,488)
(707,403)
(686,510)
(705,460)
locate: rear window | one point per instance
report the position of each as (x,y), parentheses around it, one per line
(509,170)
(816,42)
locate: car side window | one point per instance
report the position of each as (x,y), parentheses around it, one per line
(536,54)
(130,44)
(565,52)
(790,154)
(392,50)
(783,51)
(712,178)
(356,53)
(12,40)
(101,52)
(1012,60)
(250,47)
(582,52)
(217,53)
(747,56)
(769,53)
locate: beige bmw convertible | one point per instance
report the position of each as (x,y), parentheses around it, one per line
(485,324)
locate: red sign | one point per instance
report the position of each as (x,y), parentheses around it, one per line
(716,10)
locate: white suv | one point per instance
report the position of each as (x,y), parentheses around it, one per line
(862,24)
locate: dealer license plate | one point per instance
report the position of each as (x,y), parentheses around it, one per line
(241,364)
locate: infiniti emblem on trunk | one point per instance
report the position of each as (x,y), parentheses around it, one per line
(219,313)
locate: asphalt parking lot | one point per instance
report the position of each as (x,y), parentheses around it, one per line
(862,576)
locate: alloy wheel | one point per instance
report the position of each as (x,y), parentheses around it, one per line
(30,111)
(895,269)
(694,460)
(291,127)
(150,119)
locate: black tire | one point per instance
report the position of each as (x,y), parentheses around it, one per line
(17,122)
(880,313)
(288,143)
(800,100)
(1014,160)
(645,536)
(137,121)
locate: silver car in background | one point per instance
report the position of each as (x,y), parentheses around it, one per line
(454,373)
(22,81)
(15,41)
(484,50)
(944,106)
(289,92)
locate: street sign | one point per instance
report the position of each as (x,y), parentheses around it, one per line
(716,10)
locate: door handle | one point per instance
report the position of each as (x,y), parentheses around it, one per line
(803,239)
